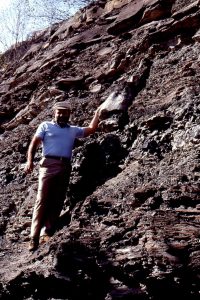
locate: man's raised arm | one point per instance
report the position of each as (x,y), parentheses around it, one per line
(93,124)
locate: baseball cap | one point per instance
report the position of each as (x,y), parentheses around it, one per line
(62,105)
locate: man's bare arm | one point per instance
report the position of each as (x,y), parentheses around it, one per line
(31,153)
(93,124)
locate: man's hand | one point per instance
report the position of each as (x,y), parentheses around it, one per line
(29,167)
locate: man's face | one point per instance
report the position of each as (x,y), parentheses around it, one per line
(62,117)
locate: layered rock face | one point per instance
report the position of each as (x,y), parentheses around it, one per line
(130,227)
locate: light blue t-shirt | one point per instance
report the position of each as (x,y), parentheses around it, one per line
(57,141)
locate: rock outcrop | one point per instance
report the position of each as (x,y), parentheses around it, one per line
(130,227)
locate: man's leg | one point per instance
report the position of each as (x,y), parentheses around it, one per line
(56,200)
(44,184)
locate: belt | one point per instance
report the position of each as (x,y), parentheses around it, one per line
(65,159)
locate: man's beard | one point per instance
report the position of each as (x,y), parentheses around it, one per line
(62,121)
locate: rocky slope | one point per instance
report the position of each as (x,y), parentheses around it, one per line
(130,228)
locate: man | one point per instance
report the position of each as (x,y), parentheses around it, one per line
(57,138)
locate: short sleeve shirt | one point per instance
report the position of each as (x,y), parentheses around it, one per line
(58,141)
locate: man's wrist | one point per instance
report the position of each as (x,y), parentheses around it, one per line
(30,161)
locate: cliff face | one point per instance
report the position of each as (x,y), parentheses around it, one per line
(130,228)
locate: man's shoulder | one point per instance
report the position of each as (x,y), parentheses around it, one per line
(75,126)
(44,125)
(78,131)
(47,123)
